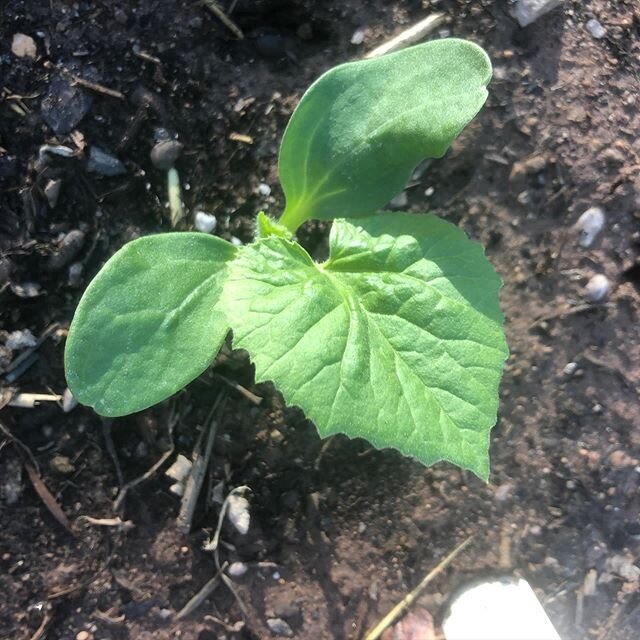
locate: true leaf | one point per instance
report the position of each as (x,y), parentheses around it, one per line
(148,323)
(397,338)
(362,127)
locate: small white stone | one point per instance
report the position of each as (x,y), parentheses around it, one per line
(264,189)
(20,340)
(180,469)
(597,288)
(205,222)
(23,46)
(590,224)
(596,29)
(236,241)
(358,36)
(570,368)
(177,489)
(238,513)
(237,569)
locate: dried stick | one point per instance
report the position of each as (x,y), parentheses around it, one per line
(409,36)
(410,598)
(217,11)
(145,476)
(202,595)
(198,469)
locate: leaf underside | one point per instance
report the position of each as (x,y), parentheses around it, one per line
(149,323)
(362,127)
(397,338)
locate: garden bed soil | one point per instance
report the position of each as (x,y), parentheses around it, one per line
(339,531)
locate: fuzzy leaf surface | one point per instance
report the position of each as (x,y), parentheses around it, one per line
(148,323)
(362,127)
(397,338)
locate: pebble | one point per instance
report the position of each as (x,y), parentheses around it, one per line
(279,627)
(358,36)
(23,46)
(21,339)
(205,222)
(597,288)
(264,189)
(165,153)
(238,513)
(596,29)
(84,635)
(237,569)
(104,163)
(623,567)
(62,465)
(12,486)
(65,105)
(570,368)
(52,192)
(68,249)
(75,274)
(590,224)
(528,11)
(180,469)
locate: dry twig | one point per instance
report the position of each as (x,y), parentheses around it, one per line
(409,36)
(199,468)
(217,11)
(411,597)
(47,497)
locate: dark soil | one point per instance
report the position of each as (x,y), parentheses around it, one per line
(339,532)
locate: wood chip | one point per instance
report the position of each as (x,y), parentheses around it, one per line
(47,497)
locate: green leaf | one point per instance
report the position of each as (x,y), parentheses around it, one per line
(362,127)
(148,323)
(397,338)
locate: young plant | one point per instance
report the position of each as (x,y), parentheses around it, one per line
(396,338)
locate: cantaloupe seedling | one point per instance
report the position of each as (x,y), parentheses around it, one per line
(396,338)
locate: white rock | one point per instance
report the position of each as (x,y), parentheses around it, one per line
(590,224)
(205,222)
(264,189)
(570,368)
(238,513)
(236,242)
(596,29)
(528,11)
(358,36)
(23,46)
(20,340)
(177,488)
(237,569)
(498,609)
(180,469)
(597,288)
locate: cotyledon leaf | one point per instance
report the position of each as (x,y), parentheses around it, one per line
(397,338)
(362,127)
(149,322)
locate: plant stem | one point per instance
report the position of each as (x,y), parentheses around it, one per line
(293,217)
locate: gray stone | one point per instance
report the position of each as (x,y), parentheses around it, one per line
(528,11)
(279,627)
(65,105)
(104,163)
